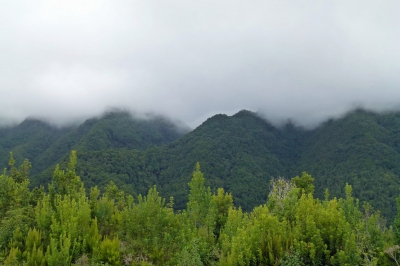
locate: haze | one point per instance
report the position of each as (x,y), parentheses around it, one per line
(65,61)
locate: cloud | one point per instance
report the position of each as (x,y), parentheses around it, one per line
(67,60)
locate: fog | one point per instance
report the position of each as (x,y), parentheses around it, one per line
(65,61)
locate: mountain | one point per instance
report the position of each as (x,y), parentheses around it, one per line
(240,153)
(243,152)
(30,139)
(45,145)
(362,149)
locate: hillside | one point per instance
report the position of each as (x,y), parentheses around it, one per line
(30,139)
(45,145)
(66,225)
(361,149)
(240,153)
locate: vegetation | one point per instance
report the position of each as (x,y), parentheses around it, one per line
(240,153)
(243,153)
(46,145)
(68,225)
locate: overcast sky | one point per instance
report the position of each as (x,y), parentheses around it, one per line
(71,59)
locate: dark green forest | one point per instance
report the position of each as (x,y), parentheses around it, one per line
(109,206)
(67,224)
(45,145)
(240,153)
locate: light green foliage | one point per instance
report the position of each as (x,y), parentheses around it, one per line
(282,198)
(261,241)
(310,233)
(201,208)
(236,221)
(322,233)
(94,199)
(107,210)
(305,183)
(291,258)
(44,213)
(13,257)
(373,237)
(72,219)
(223,203)
(66,181)
(190,255)
(109,252)
(65,213)
(154,232)
(34,248)
(64,227)
(17,242)
(203,217)
(21,174)
(350,206)
(14,192)
(20,217)
(94,237)
(16,213)
(114,194)
(58,251)
(65,216)
(35,257)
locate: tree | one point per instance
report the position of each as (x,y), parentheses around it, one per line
(223,203)
(201,207)
(305,183)
(282,198)
(66,181)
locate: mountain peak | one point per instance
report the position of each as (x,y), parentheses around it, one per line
(245,113)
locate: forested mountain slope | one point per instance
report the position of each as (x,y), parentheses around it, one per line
(45,145)
(30,139)
(73,225)
(361,149)
(241,153)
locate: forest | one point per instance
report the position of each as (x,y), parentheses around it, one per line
(65,223)
(240,153)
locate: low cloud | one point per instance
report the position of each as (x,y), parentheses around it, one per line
(69,60)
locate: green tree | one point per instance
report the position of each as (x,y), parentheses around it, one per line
(201,207)
(305,183)
(152,231)
(16,212)
(282,198)
(223,203)
(66,181)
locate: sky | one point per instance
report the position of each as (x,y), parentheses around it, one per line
(68,60)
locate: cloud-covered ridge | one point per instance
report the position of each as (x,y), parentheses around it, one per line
(70,60)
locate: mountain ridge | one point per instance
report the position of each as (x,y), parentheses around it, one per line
(241,153)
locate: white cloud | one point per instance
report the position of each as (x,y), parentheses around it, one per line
(189,59)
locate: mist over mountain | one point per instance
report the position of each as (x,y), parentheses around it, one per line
(240,153)
(44,144)
(66,62)
(147,96)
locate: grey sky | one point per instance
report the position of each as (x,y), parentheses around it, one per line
(68,59)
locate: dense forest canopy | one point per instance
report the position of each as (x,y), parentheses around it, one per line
(240,153)
(66,224)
